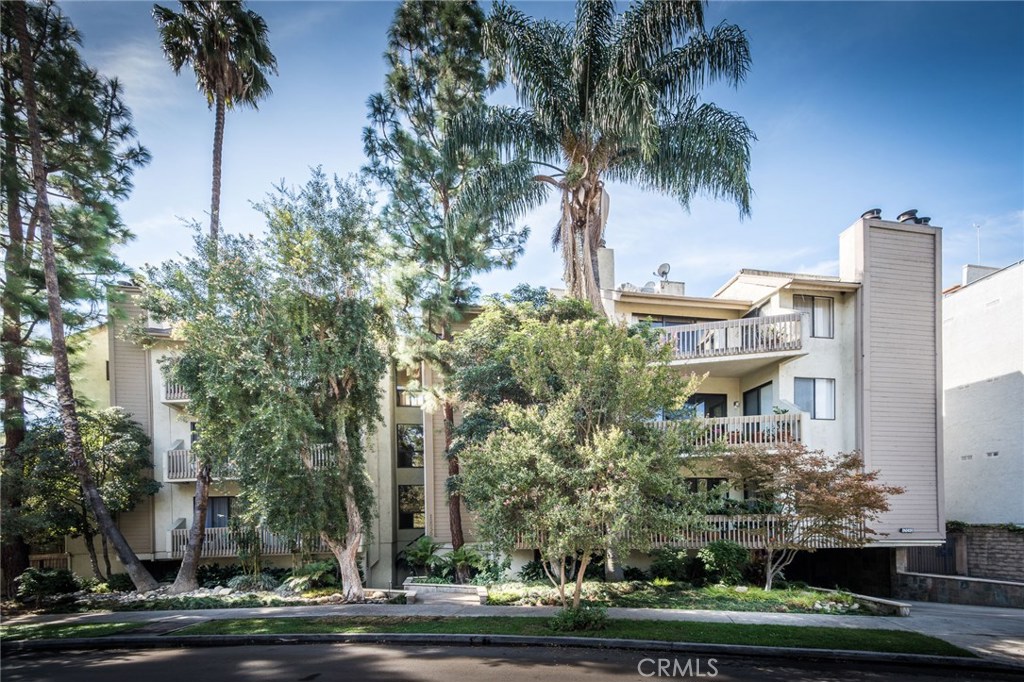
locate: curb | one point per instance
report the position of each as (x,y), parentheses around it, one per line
(747,651)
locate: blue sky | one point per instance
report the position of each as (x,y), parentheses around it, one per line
(856,105)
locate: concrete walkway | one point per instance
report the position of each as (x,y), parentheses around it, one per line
(993,633)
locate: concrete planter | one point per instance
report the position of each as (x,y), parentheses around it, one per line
(410,584)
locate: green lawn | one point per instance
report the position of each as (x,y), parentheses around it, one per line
(668,595)
(63,631)
(892,641)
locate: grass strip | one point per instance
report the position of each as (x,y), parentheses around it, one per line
(63,630)
(852,639)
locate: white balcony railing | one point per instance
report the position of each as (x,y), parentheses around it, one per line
(181,464)
(220,542)
(761,429)
(174,393)
(735,337)
(753,531)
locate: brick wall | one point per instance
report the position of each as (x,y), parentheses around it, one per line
(995,552)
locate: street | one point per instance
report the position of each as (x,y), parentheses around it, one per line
(392,663)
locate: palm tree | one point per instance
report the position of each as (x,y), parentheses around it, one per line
(226,45)
(615,97)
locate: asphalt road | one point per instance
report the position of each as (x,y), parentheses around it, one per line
(393,663)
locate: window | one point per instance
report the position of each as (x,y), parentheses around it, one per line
(819,308)
(707,405)
(193,433)
(817,397)
(411,505)
(758,400)
(218,512)
(410,446)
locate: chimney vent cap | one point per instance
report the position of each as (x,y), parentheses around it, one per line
(871,213)
(908,216)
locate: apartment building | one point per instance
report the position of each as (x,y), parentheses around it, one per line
(983,382)
(840,363)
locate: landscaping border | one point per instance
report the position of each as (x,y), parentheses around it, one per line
(745,651)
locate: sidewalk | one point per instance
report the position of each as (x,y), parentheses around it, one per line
(992,633)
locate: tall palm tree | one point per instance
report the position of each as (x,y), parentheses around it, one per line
(226,46)
(615,97)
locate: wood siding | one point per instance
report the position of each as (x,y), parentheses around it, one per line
(901,374)
(129,367)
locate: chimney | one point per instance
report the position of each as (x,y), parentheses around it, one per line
(872,214)
(908,216)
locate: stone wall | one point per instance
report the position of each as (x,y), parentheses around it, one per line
(959,590)
(995,552)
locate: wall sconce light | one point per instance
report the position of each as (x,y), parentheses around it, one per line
(735,403)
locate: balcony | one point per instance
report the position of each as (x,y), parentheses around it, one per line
(220,542)
(181,464)
(174,394)
(181,467)
(735,347)
(761,429)
(752,531)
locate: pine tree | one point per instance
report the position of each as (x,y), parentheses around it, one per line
(61,366)
(91,151)
(452,211)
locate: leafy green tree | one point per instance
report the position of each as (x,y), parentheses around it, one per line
(90,152)
(284,372)
(226,46)
(141,578)
(117,452)
(452,212)
(820,500)
(616,97)
(576,465)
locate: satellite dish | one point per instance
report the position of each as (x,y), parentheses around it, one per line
(663,270)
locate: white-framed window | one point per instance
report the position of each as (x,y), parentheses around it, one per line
(821,310)
(817,397)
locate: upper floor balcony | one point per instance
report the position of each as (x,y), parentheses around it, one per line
(759,429)
(174,393)
(736,347)
(181,464)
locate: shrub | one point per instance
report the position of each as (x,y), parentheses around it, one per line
(420,556)
(460,564)
(532,572)
(120,582)
(672,564)
(577,620)
(492,570)
(724,561)
(260,582)
(36,583)
(633,574)
(312,575)
(213,575)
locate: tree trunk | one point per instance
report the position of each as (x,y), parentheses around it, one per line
(347,553)
(106,556)
(90,546)
(15,551)
(186,580)
(218,148)
(62,372)
(455,499)
(769,572)
(581,572)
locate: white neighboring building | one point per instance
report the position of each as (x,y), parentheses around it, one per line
(983,387)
